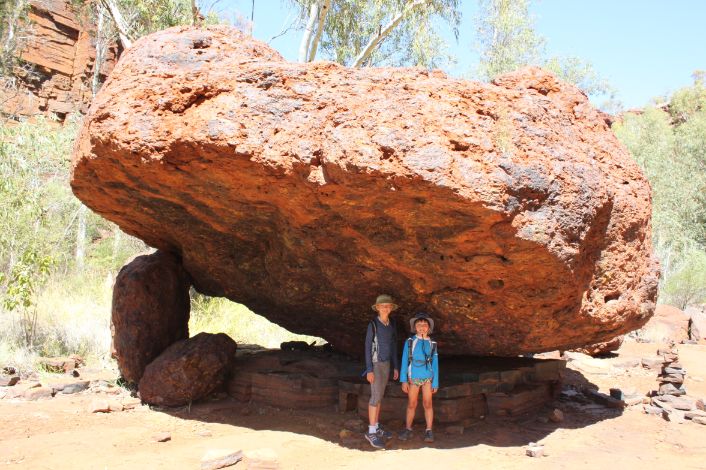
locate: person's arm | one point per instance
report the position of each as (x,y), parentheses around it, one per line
(368,349)
(403,371)
(395,355)
(435,368)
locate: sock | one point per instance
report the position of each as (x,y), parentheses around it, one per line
(372,429)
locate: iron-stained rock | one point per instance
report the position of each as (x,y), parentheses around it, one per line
(508,210)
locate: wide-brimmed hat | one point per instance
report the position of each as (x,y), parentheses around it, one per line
(421,316)
(385,299)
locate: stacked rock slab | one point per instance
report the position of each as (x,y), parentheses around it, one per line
(671,377)
(509,210)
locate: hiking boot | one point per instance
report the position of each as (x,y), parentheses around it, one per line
(375,440)
(404,435)
(428,436)
(386,435)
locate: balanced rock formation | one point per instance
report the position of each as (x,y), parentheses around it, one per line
(150,311)
(508,210)
(188,370)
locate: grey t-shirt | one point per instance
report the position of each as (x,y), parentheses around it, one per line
(387,344)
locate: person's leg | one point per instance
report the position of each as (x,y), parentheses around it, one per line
(411,404)
(382,374)
(381,370)
(427,404)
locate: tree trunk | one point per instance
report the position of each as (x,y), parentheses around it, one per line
(377,39)
(325,7)
(122,27)
(306,39)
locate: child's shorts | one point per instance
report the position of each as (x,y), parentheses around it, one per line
(377,388)
(420,382)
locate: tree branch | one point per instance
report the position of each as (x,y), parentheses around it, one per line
(120,24)
(325,7)
(377,39)
(306,39)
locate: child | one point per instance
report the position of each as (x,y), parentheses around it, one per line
(420,370)
(380,353)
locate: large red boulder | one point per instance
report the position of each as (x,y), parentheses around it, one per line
(188,370)
(508,210)
(150,311)
(668,324)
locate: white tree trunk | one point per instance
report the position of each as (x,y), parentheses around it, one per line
(81,238)
(120,24)
(377,39)
(306,39)
(325,7)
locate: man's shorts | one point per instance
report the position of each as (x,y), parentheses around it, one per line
(382,376)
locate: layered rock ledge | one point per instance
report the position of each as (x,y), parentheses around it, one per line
(508,210)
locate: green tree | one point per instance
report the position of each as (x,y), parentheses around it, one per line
(376,32)
(507,40)
(669,143)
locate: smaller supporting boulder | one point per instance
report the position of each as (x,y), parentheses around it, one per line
(602,349)
(150,311)
(188,370)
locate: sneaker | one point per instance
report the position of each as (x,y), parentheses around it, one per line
(404,435)
(428,436)
(375,440)
(387,435)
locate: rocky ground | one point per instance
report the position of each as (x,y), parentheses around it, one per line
(100,426)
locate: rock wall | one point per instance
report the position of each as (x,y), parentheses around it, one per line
(61,54)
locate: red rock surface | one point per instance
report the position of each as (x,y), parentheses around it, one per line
(150,311)
(668,324)
(61,51)
(508,210)
(188,370)
(603,348)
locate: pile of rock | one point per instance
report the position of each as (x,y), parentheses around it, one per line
(671,377)
(670,400)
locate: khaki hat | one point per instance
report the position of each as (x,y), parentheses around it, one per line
(385,299)
(421,316)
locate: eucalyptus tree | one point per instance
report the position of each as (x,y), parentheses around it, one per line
(377,32)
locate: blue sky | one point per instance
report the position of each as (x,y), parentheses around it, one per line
(644,48)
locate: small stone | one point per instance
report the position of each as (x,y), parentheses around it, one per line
(162,437)
(75,373)
(556,416)
(115,405)
(675,416)
(454,430)
(261,459)
(699,419)
(536,450)
(9,370)
(75,387)
(9,381)
(671,389)
(694,414)
(36,393)
(652,410)
(652,362)
(204,433)
(99,406)
(130,403)
(220,458)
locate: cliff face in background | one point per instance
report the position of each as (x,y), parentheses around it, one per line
(61,52)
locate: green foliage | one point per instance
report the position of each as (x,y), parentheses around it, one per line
(217,315)
(350,24)
(506,37)
(688,283)
(670,146)
(507,41)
